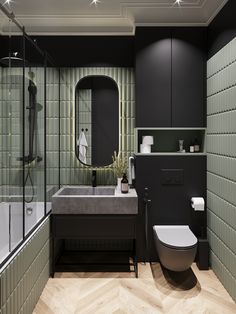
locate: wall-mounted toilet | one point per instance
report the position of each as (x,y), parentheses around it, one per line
(176,246)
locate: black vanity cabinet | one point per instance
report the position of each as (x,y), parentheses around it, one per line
(97,227)
(170,77)
(171,182)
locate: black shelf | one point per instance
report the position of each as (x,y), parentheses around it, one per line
(166,139)
(99,261)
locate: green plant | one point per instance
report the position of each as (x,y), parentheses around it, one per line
(119,165)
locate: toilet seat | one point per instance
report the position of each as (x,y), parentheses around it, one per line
(176,237)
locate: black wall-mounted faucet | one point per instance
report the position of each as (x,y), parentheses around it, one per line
(94,178)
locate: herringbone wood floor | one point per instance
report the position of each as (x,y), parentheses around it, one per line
(155,291)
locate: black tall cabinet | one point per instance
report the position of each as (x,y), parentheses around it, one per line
(153,79)
(170,93)
(170,77)
(188,77)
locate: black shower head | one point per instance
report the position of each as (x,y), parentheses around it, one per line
(12,61)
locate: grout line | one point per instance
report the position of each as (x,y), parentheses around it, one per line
(222,90)
(222,242)
(222,177)
(221,112)
(223,221)
(225,200)
(220,155)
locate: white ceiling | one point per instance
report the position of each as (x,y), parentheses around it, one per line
(79,17)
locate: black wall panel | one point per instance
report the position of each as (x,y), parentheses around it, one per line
(222,29)
(81,51)
(91,51)
(170,203)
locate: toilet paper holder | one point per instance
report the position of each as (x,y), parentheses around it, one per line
(198,203)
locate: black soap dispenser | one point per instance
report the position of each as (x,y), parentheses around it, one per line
(124,184)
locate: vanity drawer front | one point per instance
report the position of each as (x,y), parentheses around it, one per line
(90,227)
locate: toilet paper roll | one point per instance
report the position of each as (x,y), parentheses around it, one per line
(145,148)
(198,203)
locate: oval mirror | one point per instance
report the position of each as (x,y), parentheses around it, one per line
(96,120)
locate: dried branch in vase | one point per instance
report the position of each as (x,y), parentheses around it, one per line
(119,165)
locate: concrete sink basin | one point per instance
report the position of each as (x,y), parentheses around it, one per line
(86,190)
(98,200)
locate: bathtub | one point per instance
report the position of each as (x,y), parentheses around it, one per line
(34,212)
(4,231)
(11,223)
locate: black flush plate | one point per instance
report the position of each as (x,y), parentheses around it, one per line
(172,176)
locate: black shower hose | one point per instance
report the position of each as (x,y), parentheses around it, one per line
(28,176)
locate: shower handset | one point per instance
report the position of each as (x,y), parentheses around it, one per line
(32,89)
(33,108)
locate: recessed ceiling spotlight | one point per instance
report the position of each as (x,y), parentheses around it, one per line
(95,2)
(7,2)
(178,2)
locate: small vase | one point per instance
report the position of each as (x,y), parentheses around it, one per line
(119,184)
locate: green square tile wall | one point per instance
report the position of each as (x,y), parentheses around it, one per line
(221,164)
(72,171)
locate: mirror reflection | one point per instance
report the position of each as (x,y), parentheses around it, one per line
(96,120)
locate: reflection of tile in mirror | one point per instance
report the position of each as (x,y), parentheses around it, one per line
(85,105)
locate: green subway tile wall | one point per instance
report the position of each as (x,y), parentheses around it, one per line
(23,280)
(221,164)
(10,144)
(72,171)
(52,133)
(1,139)
(11,128)
(84,109)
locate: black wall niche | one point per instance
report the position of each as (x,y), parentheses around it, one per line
(90,51)
(222,29)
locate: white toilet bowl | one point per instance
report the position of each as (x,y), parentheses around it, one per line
(176,246)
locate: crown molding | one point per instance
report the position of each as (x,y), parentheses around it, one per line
(220,7)
(197,13)
(73,25)
(171,24)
